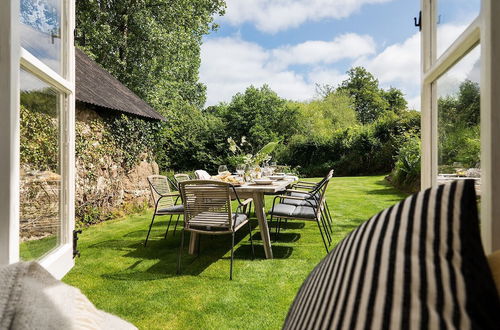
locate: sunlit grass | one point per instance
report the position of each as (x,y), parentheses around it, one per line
(140,284)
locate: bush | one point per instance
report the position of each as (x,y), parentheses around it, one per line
(358,150)
(406,174)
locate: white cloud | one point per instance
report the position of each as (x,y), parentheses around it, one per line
(398,65)
(229,65)
(349,45)
(277,15)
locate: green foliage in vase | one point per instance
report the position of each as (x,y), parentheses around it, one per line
(239,157)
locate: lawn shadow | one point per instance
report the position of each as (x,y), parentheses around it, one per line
(245,252)
(164,252)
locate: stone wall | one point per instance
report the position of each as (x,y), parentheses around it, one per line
(103,184)
(105,187)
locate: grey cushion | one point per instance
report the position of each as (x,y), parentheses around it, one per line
(172,209)
(304,212)
(239,219)
(283,209)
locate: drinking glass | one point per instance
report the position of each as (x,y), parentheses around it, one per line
(240,169)
(222,169)
(272,167)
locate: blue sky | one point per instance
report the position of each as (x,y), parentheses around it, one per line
(293,44)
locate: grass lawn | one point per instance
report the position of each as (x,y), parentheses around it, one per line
(35,249)
(121,276)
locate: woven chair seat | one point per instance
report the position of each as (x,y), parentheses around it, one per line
(200,221)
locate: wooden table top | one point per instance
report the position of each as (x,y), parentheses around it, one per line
(261,188)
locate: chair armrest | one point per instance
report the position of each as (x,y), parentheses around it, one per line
(298,191)
(307,183)
(246,202)
(292,197)
(175,194)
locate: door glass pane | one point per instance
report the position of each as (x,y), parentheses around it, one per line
(458,121)
(40,173)
(41,31)
(454,16)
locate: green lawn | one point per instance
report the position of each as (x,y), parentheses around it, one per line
(35,249)
(140,284)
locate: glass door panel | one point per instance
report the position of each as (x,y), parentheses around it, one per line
(453,17)
(40,172)
(458,99)
(41,32)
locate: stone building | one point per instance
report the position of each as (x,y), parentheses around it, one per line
(103,184)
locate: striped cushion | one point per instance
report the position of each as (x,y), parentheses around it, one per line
(418,264)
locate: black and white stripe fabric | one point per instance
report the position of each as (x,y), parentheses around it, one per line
(416,265)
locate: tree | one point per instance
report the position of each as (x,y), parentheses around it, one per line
(319,119)
(395,100)
(368,97)
(151,46)
(258,114)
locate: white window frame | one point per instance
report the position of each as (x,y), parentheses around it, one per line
(486,31)
(12,57)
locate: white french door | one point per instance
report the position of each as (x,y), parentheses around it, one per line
(37,133)
(460,129)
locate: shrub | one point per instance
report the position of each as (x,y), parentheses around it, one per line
(358,150)
(406,174)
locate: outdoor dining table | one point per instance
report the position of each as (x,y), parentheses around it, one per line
(256,192)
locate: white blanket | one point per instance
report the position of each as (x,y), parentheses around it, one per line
(31,298)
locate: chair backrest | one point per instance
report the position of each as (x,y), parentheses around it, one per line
(319,192)
(202,175)
(207,203)
(179,177)
(159,186)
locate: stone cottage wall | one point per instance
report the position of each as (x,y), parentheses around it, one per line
(103,184)
(108,183)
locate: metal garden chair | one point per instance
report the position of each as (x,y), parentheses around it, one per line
(308,206)
(165,201)
(208,211)
(302,188)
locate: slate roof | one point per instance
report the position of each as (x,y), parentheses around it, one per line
(96,86)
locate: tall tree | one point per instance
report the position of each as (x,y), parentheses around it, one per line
(259,115)
(368,97)
(152,46)
(395,99)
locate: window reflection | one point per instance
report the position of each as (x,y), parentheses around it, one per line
(454,16)
(41,31)
(40,174)
(459,144)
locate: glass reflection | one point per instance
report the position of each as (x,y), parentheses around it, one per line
(454,16)
(459,143)
(41,30)
(40,173)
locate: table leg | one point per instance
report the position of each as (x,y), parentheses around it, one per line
(193,243)
(258,199)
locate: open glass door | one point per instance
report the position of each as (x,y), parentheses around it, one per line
(41,141)
(457,121)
